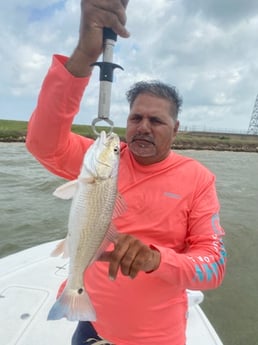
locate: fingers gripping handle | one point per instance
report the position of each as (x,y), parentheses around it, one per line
(109,34)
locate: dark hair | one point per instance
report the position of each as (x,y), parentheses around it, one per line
(158,89)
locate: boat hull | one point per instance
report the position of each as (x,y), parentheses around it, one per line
(28,284)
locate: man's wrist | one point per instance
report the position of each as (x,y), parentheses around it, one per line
(79,64)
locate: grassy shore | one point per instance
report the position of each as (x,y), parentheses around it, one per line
(15,131)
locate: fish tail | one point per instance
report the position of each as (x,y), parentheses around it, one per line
(75,305)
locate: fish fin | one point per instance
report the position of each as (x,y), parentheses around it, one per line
(109,238)
(74,306)
(111,235)
(120,206)
(61,248)
(66,191)
(88,179)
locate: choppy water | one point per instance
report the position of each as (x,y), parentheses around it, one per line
(31,215)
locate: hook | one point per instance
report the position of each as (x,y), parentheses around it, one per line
(108,121)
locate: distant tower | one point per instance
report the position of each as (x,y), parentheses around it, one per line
(253,124)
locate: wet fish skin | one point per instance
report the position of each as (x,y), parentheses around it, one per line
(90,226)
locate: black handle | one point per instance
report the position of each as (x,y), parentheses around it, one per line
(108,33)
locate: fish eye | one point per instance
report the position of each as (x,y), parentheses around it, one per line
(116,149)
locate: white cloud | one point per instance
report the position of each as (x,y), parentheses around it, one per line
(208,49)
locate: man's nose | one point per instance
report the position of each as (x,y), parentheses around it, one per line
(144,126)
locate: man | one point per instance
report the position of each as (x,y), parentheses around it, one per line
(169,237)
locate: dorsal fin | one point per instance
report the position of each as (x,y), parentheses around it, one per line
(120,206)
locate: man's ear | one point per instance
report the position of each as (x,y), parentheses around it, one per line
(177,124)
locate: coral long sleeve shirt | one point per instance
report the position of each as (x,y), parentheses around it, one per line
(171,205)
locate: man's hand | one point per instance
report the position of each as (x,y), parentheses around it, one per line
(131,256)
(95,15)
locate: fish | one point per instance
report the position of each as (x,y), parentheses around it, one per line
(95,203)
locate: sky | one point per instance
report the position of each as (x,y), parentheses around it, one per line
(208,49)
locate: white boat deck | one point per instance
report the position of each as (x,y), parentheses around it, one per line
(28,284)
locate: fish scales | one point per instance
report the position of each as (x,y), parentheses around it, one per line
(89,228)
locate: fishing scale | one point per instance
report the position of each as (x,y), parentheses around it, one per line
(106,78)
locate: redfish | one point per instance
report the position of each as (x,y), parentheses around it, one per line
(95,203)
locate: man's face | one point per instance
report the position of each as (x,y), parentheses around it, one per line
(150,129)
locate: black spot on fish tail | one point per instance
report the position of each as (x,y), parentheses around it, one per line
(80,291)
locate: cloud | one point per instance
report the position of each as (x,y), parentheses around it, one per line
(45,10)
(222,12)
(207,49)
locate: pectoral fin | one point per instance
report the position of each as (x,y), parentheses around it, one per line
(66,191)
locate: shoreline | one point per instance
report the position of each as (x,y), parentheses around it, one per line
(12,131)
(180,145)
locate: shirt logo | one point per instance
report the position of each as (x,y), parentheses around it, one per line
(172,195)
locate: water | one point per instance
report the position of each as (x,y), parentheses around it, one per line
(31,215)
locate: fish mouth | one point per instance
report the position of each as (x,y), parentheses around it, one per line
(102,138)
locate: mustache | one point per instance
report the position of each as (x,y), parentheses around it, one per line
(147,138)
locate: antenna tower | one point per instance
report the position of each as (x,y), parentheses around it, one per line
(253,124)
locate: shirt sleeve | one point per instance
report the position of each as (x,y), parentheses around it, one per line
(202,265)
(49,137)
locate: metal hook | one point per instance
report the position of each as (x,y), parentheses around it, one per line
(108,121)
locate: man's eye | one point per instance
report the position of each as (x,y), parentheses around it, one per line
(156,120)
(136,118)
